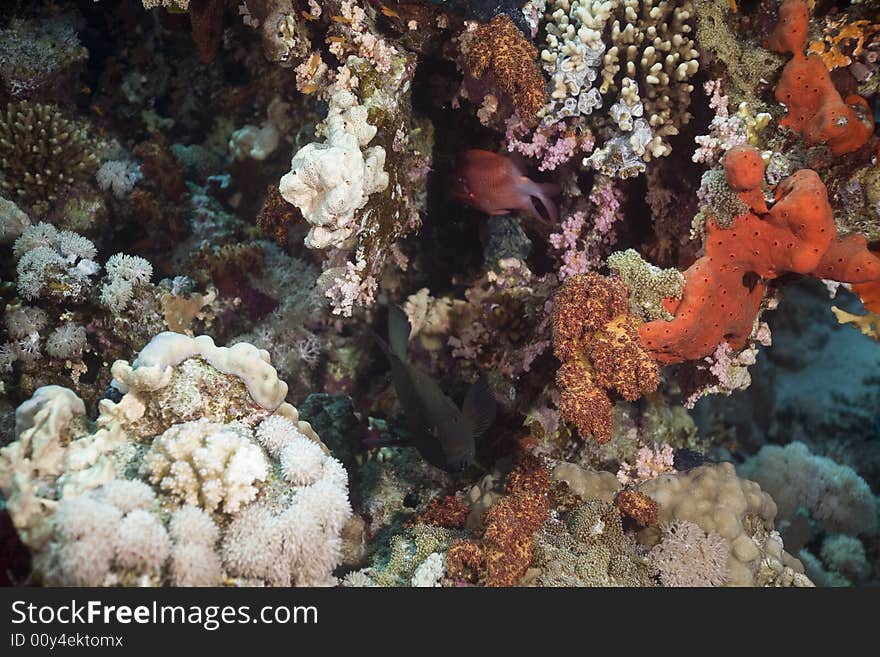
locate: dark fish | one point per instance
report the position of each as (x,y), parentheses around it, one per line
(687,459)
(444,434)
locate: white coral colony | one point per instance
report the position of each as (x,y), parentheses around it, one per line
(330,181)
(200,469)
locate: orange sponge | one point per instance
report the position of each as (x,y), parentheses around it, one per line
(724,289)
(815,109)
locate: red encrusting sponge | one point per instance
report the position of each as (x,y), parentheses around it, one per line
(815,109)
(724,288)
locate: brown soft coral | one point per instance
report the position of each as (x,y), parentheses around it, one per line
(445,511)
(276,216)
(505,552)
(638,506)
(597,340)
(500,49)
(206,20)
(161,168)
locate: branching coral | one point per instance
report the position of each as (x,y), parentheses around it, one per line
(726,131)
(41,153)
(596,338)
(589,231)
(642,55)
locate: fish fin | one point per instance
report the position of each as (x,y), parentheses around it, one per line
(545,193)
(379,442)
(518,161)
(381,342)
(398,331)
(479,406)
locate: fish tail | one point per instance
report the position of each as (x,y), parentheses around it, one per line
(398,332)
(545,193)
(480,406)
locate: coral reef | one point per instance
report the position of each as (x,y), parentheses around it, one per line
(503,554)
(500,52)
(648,230)
(815,108)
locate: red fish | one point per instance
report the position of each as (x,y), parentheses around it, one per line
(497,184)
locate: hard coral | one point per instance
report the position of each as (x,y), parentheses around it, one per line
(815,108)
(724,288)
(596,338)
(161,168)
(41,153)
(499,49)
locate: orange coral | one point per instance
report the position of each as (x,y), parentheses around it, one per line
(815,109)
(505,551)
(724,288)
(841,37)
(500,50)
(465,560)
(445,511)
(597,340)
(638,506)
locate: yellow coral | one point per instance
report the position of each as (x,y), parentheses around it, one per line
(868,324)
(841,37)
